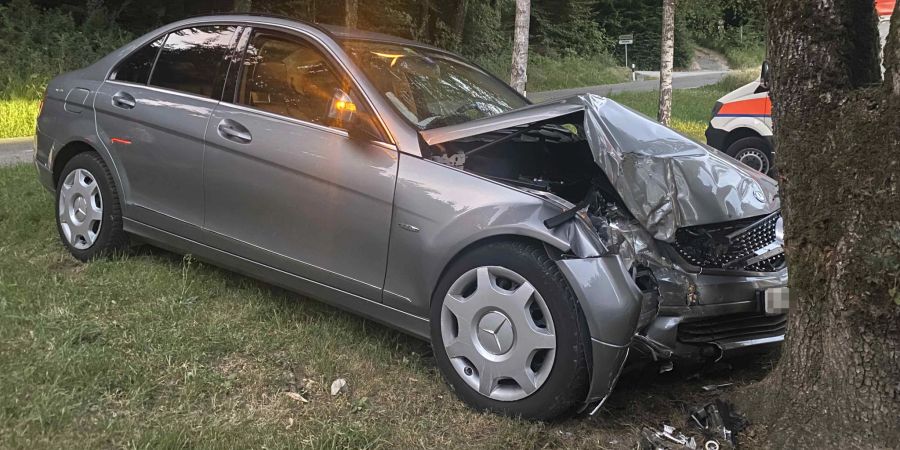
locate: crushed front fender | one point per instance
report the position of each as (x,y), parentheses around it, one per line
(611,303)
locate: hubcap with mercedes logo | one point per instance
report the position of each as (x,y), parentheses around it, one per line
(498,333)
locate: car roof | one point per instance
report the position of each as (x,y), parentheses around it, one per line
(352,34)
(336,32)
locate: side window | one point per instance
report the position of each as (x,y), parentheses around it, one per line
(289,77)
(193,60)
(137,66)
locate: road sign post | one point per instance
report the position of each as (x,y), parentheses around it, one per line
(625,39)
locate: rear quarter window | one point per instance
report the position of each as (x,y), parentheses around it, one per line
(193,60)
(136,67)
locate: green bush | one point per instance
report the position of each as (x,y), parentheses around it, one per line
(735,28)
(742,50)
(643,19)
(39,44)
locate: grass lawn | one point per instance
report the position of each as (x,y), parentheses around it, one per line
(150,349)
(690,107)
(547,74)
(17,117)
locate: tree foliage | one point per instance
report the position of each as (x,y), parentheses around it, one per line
(479,29)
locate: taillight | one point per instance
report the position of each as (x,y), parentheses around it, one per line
(41,105)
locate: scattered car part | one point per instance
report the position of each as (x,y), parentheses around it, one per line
(719,422)
(666,439)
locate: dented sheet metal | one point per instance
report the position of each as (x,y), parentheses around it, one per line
(666,180)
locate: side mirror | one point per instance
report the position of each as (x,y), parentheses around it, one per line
(342,108)
(764,74)
(344,114)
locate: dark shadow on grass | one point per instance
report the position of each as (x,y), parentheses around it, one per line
(292,304)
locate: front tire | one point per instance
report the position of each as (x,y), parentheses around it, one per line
(507,332)
(88,215)
(754,152)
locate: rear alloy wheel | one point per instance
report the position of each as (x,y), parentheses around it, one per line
(754,152)
(507,333)
(80,209)
(88,217)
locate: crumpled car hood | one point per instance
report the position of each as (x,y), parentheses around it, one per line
(666,180)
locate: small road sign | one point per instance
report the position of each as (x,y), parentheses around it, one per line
(625,39)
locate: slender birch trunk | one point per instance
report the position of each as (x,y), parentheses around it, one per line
(666,60)
(351,13)
(518,73)
(459,21)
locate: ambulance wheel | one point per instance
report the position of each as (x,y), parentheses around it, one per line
(754,152)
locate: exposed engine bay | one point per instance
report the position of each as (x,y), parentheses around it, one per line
(550,158)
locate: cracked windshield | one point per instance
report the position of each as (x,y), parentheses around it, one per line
(430,88)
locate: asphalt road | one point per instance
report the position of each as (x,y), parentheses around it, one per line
(15,151)
(680,80)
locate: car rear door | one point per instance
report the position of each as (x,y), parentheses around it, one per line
(152,115)
(284,184)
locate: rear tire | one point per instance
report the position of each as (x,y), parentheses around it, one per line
(88,212)
(498,305)
(755,152)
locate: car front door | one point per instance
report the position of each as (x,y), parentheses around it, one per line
(152,115)
(285,185)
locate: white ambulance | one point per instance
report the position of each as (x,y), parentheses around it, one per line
(741,123)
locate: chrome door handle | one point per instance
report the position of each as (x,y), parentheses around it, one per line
(234,131)
(123,100)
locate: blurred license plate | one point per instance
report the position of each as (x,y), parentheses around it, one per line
(776,301)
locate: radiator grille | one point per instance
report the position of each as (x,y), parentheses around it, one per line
(747,244)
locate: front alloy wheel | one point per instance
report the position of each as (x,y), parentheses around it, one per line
(498,333)
(508,334)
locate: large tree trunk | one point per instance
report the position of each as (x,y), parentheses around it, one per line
(518,72)
(351,13)
(666,61)
(838,152)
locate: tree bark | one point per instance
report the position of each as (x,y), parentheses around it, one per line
(837,384)
(459,21)
(351,13)
(424,31)
(666,61)
(242,5)
(518,73)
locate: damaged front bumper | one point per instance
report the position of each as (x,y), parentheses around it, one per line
(720,315)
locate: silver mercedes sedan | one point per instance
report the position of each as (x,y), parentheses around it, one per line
(532,245)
